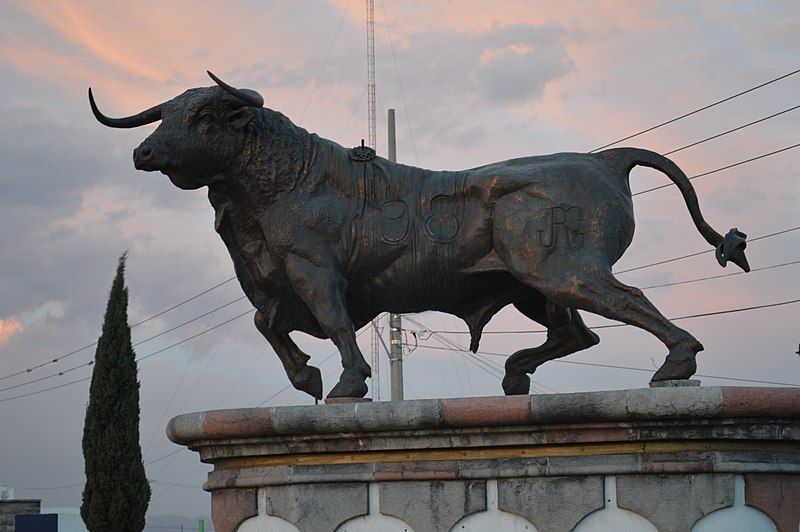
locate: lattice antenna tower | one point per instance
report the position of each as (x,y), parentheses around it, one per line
(373,142)
(375,344)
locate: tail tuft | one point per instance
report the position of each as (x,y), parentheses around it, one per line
(732,249)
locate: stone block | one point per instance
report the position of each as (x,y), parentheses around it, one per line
(332,473)
(317,507)
(486,411)
(682,383)
(758,402)
(346,400)
(237,423)
(399,415)
(593,464)
(678,462)
(776,495)
(552,504)
(674,503)
(502,468)
(432,506)
(232,506)
(428,470)
(659,403)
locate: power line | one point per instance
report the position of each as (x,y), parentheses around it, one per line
(230,390)
(180,382)
(353,113)
(242,376)
(248,311)
(137,360)
(163,457)
(399,83)
(46,488)
(153,354)
(670,184)
(631,368)
(616,325)
(325,62)
(695,254)
(44,390)
(89,363)
(709,106)
(687,281)
(738,128)
(466,354)
(173,307)
(93,344)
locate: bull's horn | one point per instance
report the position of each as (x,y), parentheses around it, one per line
(250,97)
(145,117)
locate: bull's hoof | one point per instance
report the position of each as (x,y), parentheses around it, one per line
(516,383)
(309,380)
(678,366)
(351,384)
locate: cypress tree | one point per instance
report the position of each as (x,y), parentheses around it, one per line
(116,493)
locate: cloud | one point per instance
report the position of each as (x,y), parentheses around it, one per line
(51,309)
(8,328)
(504,63)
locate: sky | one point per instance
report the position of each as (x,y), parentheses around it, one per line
(473,82)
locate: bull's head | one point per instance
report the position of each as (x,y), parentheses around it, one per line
(199,135)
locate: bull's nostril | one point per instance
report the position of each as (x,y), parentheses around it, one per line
(145,152)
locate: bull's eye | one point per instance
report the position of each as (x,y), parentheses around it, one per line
(205,119)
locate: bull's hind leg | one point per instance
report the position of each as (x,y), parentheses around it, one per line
(596,290)
(302,376)
(566,334)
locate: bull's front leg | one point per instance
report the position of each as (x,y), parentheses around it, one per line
(322,287)
(302,376)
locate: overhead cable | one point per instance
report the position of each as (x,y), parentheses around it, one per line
(671,184)
(616,325)
(695,254)
(690,113)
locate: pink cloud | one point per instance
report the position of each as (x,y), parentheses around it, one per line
(8,328)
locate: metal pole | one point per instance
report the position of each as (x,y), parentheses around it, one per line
(391,138)
(395,323)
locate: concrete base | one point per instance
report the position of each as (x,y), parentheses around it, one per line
(675,383)
(346,400)
(665,458)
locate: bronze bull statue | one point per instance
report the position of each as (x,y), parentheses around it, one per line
(323,239)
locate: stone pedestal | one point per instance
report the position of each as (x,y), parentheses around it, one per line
(666,458)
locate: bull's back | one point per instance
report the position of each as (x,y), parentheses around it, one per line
(422,230)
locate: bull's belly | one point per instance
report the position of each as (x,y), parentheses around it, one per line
(415,279)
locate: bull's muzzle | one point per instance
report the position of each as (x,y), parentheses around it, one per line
(144,158)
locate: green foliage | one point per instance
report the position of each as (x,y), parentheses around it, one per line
(116,493)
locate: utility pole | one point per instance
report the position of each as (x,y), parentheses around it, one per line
(395,322)
(375,343)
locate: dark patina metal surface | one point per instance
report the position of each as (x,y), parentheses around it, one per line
(323,239)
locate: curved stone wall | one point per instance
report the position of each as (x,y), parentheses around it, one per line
(667,459)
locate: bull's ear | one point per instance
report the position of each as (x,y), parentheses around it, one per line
(238,118)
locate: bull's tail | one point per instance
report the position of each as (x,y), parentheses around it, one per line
(730,247)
